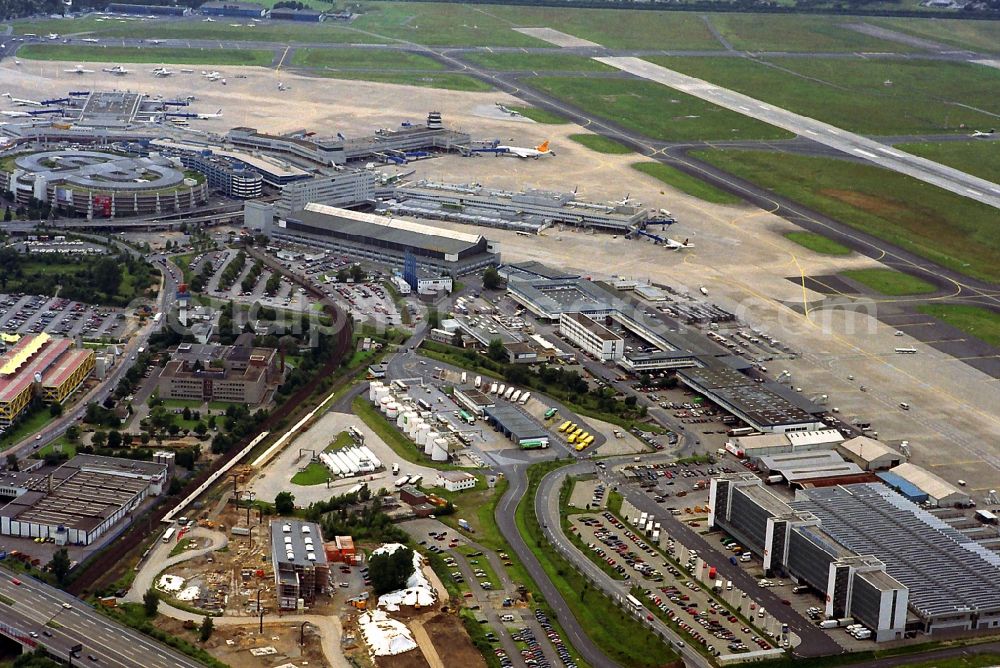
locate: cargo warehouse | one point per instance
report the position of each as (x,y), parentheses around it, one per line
(516,425)
(79,501)
(399,243)
(872,553)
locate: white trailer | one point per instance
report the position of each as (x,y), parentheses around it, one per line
(524,398)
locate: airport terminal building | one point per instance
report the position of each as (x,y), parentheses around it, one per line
(874,555)
(401,244)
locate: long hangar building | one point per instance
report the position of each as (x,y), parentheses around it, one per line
(873,555)
(412,247)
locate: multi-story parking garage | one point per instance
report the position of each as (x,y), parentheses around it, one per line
(102,185)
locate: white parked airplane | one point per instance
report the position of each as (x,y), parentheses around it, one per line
(205,117)
(15,114)
(508,111)
(20,102)
(53,35)
(211,76)
(91,40)
(282,86)
(162,72)
(520,152)
(156,41)
(79,69)
(208,20)
(678,245)
(983,133)
(117,70)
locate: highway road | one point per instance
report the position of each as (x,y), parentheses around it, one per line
(112,644)
(852,144)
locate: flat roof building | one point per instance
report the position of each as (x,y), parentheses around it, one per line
(79,501)
(234,9)
(454,481)
(474,400)
(516,425)
(760,445)
(591,336)
(347,188)
(387,240)
(245,376)
(298,556)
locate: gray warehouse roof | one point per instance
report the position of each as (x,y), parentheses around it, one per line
(293,541)
(392,230)
(518,423)
(946,571)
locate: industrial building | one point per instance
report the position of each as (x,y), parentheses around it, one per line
(591,336)
(755,446)
(813,469)
(455,481)
(766,407)
(939,491)
(306,15)
(148,10)
(103,185)
(401,244)
(226,175)
(233,9)
(245,376)
(298,556)
(346,188)
(529,210)
(41,365)
(516,425)
(409,141)
(79,501)
(869,551)
(341,550)
(869,454)
(475,401)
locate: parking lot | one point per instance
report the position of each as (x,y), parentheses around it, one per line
(675,592)
(32,314)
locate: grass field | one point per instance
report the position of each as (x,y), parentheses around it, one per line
(539,115)
(656,111)
(685,183)
(282,32)
(817,243)
(943,227)
(314,473)
(796,32)
(925,96)
(889,282)
(124,54)
(601,144)
(980,322)
(532,62)
(980,158)
(983,35)
(446,80)
(616,28)
(363,58)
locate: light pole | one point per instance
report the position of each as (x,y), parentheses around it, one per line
(250,496)
(259,590)
(250,533)
(261,621)
(302,634)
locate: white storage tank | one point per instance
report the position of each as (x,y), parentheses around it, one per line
(384,402)
(429,443)
(413,425)
(422,433)
(401,420)
(392,412)
(440,453)
(373,391)
(382,391)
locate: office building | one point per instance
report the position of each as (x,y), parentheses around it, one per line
(274,171)
(79,501)
(245,375)
(226,175)
(347,188)
(455,481)
(298,556)
(41,365)
(591,336)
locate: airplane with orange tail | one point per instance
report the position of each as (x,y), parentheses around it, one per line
(519,152)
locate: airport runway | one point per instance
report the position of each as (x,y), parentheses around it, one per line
(846,142)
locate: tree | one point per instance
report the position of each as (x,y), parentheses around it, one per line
(390,571)
(205,632)
(114,439)
(200,428)
(176,487)
(7,215)
(107,275)
(342,277)
(73,433)
(60,564)
(186,413)
(12,462)
(357,273)
(99,439)
(491,279)
(433,318)
(284,503)
(150,602)
(497,352)
(55,409)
